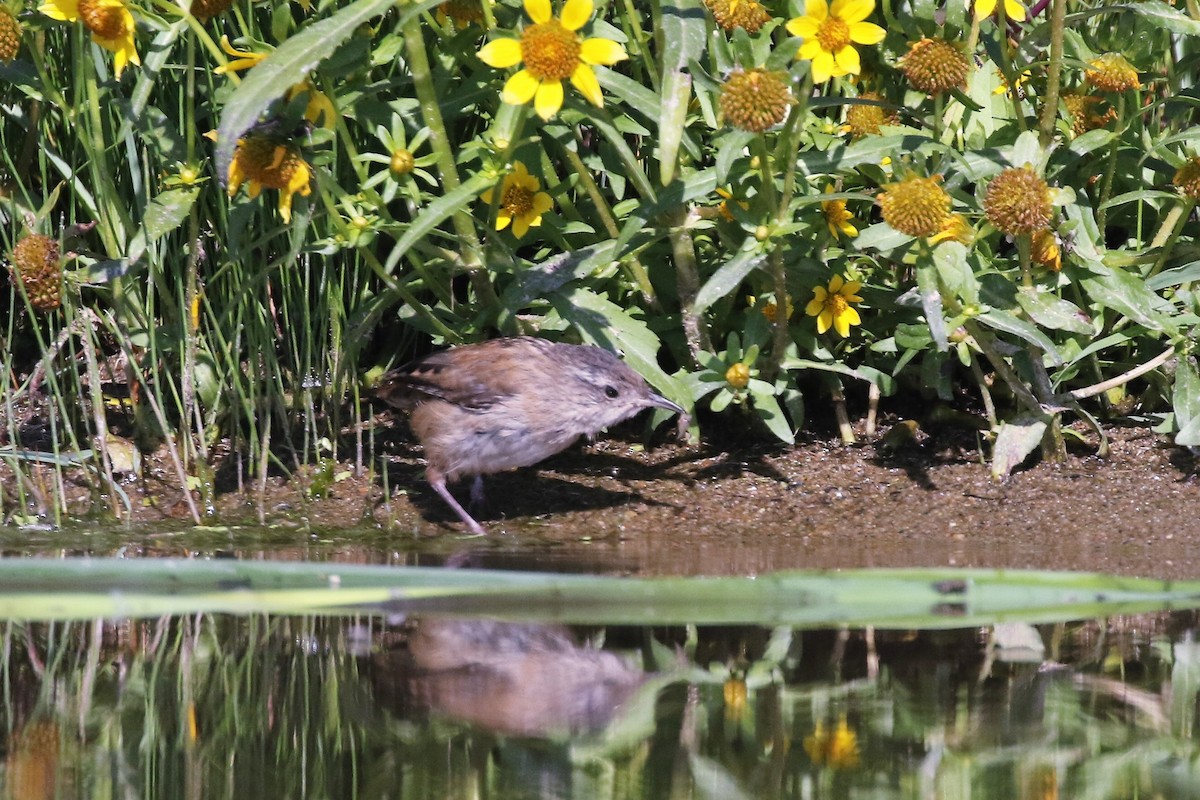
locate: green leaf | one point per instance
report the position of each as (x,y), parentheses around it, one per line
(683,28)
(768,410)
(957,278)
(1185,398)
(434,213)
(290,63)
(167,212)
(1053,312)
(672,114)
(729,276)
(1016,441)
(552,274)
(1090,142)
(1163,16)
(1127,295)
(931,303)
(1006,322)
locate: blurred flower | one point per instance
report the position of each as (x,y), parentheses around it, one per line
(839,219)
(832,306)
(1112,73)
(318,111)
(38,266)
(863,119)
(770,308)
(1081,107)
(1187,178)
(837,749)
(916,206)
(738,376)
(1046,251)
(934,66)
(1018,87)
(10,35)
(1018,201)
(829,33)
(552,51)
(110,21)
(954,228)
(755,100)
(730,14)
(204,10)
(726,195)
(267,161)
(1012,9)
(521,202)
(734,690)
(402,162)
(461,12)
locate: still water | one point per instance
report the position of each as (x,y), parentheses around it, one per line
(370,706)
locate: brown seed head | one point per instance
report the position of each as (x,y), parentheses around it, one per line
(862,120)
(38,266)
(1018,201)
(730,14)
(755,99)
(106,20)
(463,12)
(267,160)
(10,35)
(933,66)
(916,206)
(204,10)
(1082,110)
(1111,72)
(1187,178)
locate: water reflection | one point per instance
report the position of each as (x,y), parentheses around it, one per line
(361,707)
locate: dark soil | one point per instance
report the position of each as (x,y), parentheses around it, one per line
(716,508)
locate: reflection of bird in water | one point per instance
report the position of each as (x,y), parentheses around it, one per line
(512,679)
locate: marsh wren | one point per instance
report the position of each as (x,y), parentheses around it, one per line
(508,403)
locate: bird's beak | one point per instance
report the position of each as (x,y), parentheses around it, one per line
(662,402)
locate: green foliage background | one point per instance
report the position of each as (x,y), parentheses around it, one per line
(233,324)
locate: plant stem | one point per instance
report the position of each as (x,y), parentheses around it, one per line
(1168,233)
(1110,169)
(1058,27)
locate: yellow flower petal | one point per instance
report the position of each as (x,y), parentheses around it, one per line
(817,9)
(542,203)
(835,284)
(806,27)
(520,88)
(825,320)
(62,10)
(602,51)
(822,66)
(847,60)
(867,33)
(1014,10)
(549,99)
(984,8)
(584,79)
(538,10)
(503,218)
(501,53)
(809,50)
(850,291)
(576,13)
(851,11)
(849,229)
(814,307)
(843,321)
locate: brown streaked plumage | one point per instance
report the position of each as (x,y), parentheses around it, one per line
(508,403)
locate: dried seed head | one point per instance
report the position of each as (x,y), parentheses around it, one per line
(862,120)
(204,10)
(916,206)
(1018,201)
(10,35)
(1187,178)
(730,14)
(755,99)
(38,266)
(1111,72)
(1082,110)
(933,66)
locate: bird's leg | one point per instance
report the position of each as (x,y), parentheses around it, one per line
(477,498)
(438,481)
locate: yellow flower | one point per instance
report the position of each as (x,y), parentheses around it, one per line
(521,202)
(770,308)
(747,14)
(954,228)
(839,219)
(1111,72)
(738,376)
(726,195)
(916,206)
(1018,87)
(1012,9)
(552,51)
(1045,250)
(37,264)
(110,21)
(829,33)
(755,100)
(318,111)
(837,748)
(863,119)
(461,12)
(832,306)
(273,163)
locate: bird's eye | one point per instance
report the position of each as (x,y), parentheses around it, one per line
(611,391)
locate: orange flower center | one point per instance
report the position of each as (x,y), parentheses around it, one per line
(834,34)
(106,20)
(266,161)
(517,201)
(550,51)
(837,304)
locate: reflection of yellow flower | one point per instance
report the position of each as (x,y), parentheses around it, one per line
(110,21)
(839,219)
(521,202)
(838,749)
(270,162)
(552,51)
(829,33)
(832,306)
(318,111)
(1012,9)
